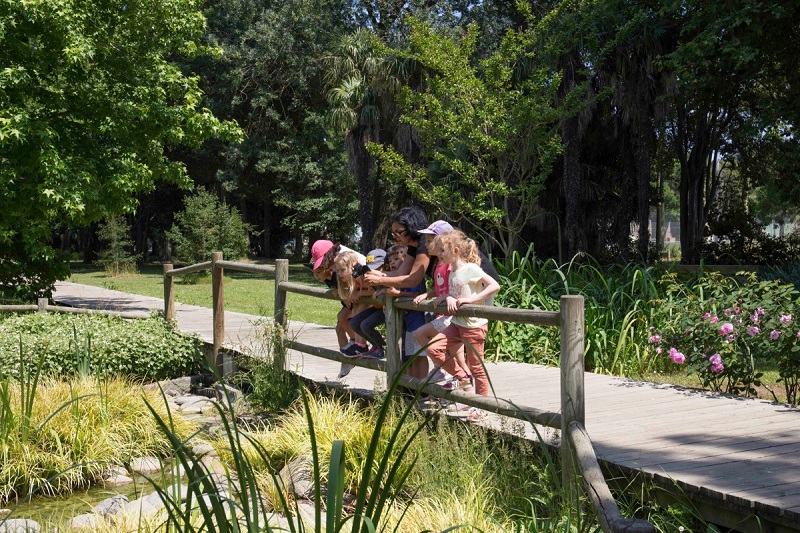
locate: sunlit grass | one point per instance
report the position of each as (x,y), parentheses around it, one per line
(244,293)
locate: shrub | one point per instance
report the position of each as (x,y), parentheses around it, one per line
(116,258)
(719,328)
(148,349)
(207,225)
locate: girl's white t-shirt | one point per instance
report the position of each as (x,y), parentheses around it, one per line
(464,282)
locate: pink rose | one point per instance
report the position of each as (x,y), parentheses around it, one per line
(754,318)
(760,310)
(737,311)
(753,331)
(727,312)
(726,329)
(717,368)
(706,316)
(654,339)
(714,320)
(676,356)
(659,351)
(785,319)
(715,359)
(774,334)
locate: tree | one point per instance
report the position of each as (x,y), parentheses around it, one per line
(117,257)
(88,103)
(736,73)
(488,141)
(291,167)
(207,225)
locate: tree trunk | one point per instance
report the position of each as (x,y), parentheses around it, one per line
(643,154)
(693,154)
(266,235)
(361,163)
(570,131)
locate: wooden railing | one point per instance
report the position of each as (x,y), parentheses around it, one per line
(576,451)
(43,306)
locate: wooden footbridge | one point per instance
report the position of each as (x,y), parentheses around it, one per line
(736,461)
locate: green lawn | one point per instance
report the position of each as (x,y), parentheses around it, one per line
(244,293)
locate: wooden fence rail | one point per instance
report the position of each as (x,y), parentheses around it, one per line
(570,320)
(43,306)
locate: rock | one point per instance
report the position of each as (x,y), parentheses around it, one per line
(146,507)
(204,449)
(307,510)
(146,465)
(20,525)
(85,521)
(111,506)
(117,480)
(172,387)
(186,400)
(298,477)
(227,395)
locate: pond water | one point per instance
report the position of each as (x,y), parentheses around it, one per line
(50,510)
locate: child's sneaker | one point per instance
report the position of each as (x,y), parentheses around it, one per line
(373,353)
(345,370)
(465,384)
(451,384)
(354,350)
(347,346)
(476,415)
(436,375)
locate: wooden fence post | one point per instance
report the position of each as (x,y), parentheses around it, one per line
(42,304)
(169,294)
(394,339)
(281,275)
(218,310)
(572,400)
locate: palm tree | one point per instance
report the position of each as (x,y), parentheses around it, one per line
(363,79)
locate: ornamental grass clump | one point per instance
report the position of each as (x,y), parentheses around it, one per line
(77,429)
(722,328)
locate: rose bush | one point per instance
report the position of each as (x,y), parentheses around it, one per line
(721,325)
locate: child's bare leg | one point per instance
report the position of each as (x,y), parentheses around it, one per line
(419,367)
(343,330)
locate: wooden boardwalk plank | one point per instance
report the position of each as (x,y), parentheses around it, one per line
(741,452)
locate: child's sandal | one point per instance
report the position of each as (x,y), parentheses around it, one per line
(476,415)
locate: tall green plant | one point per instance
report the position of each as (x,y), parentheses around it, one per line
(116,257)
(383,474)
(207,225)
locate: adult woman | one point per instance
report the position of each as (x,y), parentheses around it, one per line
(406,226)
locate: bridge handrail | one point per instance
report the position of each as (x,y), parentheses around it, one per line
(43,306)
(570,320)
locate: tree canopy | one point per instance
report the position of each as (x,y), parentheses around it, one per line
(89,100)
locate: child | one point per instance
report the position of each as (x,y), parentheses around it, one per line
(412,320)
(323,254)
(369,320)
(441,285)
(468,285)
(366,322)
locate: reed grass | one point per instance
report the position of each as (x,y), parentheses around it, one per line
(80,428)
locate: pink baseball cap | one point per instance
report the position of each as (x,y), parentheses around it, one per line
(318,251)
(437,228)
